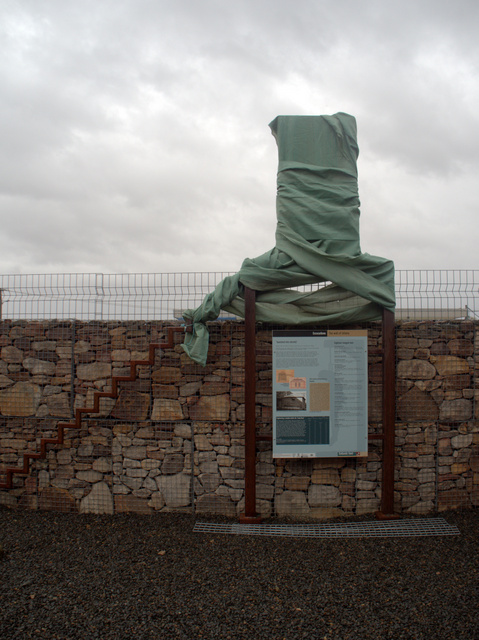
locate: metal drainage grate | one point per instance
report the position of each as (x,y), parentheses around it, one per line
(375,529)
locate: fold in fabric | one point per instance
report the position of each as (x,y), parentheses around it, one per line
(317,240)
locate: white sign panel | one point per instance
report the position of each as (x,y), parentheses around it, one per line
(320,393)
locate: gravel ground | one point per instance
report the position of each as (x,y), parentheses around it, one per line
(69,576)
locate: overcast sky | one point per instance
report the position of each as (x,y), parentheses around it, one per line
(135,138)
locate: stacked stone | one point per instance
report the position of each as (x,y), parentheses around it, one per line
(150,464)
(415,484)
(35,381)
(218,412)
(151,467)
(77,475)
(437,438)
(176,434)
(35,369)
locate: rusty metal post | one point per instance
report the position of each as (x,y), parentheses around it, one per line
(250,516)
(389,415)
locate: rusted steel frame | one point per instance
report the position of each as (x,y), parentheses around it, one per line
(250,514)
(10,471)
(388,414)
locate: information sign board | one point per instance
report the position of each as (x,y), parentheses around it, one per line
(320,393)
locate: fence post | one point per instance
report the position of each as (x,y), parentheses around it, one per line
(389,415)
(250,516)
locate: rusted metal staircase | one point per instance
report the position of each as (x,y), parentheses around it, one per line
(76,424)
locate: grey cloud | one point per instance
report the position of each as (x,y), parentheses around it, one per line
(134,134)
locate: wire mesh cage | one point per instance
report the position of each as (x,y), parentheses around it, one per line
(102,411)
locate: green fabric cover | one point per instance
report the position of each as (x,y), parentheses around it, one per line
(317,240)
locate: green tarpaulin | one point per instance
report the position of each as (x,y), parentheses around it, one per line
(317,240)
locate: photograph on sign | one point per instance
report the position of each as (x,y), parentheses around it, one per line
(320,393)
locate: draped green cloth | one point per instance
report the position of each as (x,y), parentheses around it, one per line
(317,240)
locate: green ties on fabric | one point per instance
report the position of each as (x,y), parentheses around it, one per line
(317,240)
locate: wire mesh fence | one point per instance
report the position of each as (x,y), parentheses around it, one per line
(99,296)
(172,438)
(420,294)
